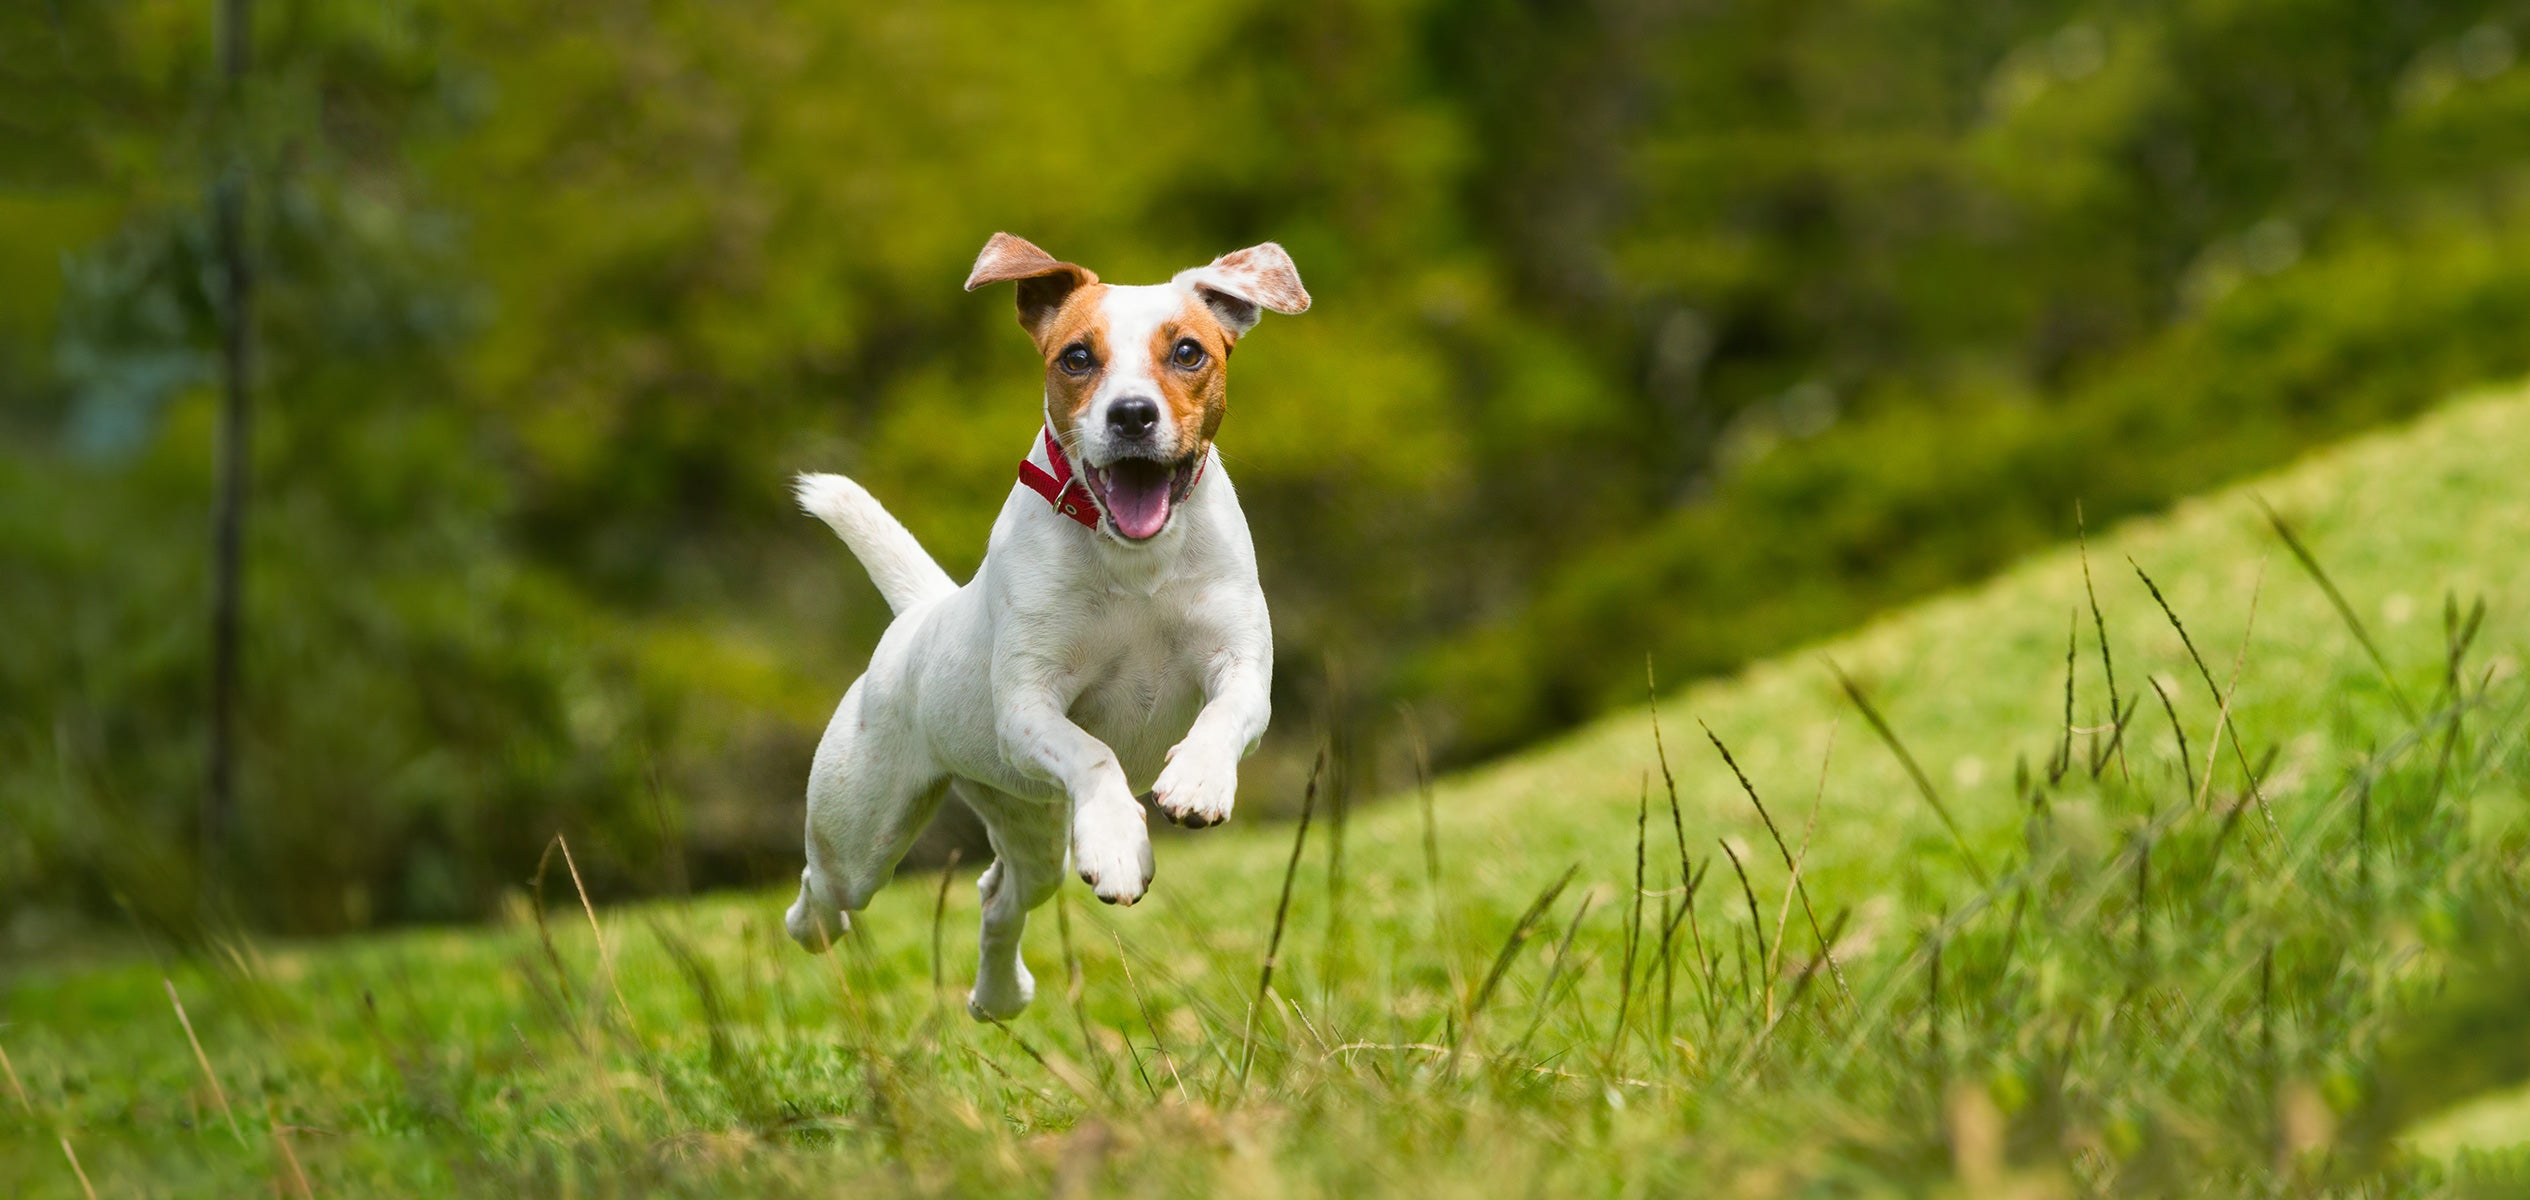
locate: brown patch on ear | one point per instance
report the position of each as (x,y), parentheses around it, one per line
(1045,282)
(1266,275)
(1236,285)
(1199,398)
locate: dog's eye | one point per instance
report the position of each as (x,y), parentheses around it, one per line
(1075,359)
(1190,353)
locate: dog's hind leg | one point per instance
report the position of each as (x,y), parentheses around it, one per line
(814,921)
(872,789)
(1028,842)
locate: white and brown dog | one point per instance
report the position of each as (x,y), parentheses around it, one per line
(1115,630)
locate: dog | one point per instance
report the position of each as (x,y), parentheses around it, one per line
(1116,630)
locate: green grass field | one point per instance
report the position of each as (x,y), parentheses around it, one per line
(2125,972)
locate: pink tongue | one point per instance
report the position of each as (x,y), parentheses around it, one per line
(1137,498)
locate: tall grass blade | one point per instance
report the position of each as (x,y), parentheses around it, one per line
(1791,861)
(209,1076)
(2458,636)
(16,1087)
(1937,1062)
(2063,761)
(2337,599)
(1633,921)
(1282,913)
(563,1000)
(85,1188)
(2223,719)
(1072,990)
(1063,1072)
(2116,747)
(2221,699)
(1668,971)
(1756,926)
(1668,782)
(605,954)
(2108,666)
(1707,963)
(1792,1000)
(1442,929)
(2143,906)
(740,1080)
(1167,1057)
(1520,932)
(1914,771)
(1554,975)
(289,1157)
(2186,764)
(1331,941)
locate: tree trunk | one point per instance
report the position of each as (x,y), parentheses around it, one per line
(228,514)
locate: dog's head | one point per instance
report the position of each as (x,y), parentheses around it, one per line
(1137,378)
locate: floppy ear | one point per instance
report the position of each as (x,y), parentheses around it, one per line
(1044,281)
(1241,282)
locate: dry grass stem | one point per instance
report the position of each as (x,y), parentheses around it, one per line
(85,1188)
(605,954)
(209,1076)
(16,1088)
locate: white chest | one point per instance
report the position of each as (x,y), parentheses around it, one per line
(1139,664)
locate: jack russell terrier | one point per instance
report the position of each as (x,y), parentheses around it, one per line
(1116,608)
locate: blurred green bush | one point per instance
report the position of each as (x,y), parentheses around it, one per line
(1805,535)
(1685,327)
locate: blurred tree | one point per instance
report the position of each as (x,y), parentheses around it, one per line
(235,446)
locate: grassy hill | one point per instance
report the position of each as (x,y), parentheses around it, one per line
(2107,968)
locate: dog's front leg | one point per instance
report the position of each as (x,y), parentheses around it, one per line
(1111,847)
(1201,780)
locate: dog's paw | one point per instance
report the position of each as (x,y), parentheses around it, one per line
(1197,787)
(1001,999)
(1112,851)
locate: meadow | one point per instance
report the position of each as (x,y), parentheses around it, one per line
(2184,859)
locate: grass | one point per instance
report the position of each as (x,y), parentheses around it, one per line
(1975,929)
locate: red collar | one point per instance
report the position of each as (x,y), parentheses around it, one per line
(1068,494)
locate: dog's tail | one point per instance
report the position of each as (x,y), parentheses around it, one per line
(896,562)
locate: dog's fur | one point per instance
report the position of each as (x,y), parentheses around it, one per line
(1070,664)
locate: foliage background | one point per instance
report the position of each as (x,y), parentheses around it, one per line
(1688,327)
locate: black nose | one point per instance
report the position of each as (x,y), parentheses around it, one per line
(1133,416)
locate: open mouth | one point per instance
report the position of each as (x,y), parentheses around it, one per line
(1138,494)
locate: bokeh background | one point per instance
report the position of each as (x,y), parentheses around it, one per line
(1647,331)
